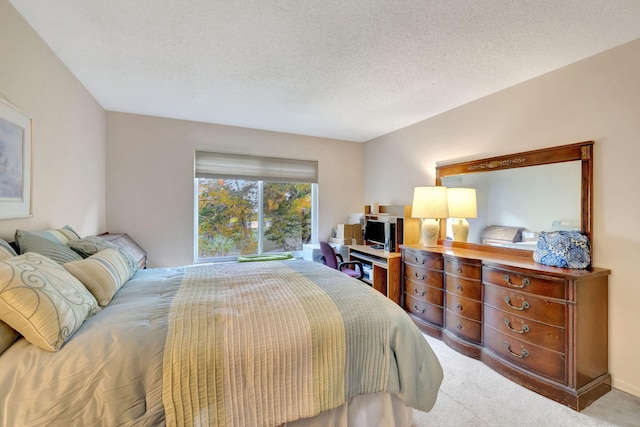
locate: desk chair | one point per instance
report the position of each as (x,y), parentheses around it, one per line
(330,259)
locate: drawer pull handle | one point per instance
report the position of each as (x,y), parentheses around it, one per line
(424,276)
(525,282)
(459,306)
(459,287)
(415,291)
(459,269)
(418,310)
(524,354)
(419,260)
(459,326)
(525,304)
(524,330)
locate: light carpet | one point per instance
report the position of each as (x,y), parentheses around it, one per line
(474,395)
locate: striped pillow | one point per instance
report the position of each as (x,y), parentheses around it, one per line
(50,243)
(62,235)
(42,301)
(6,251)
(91,245)
(103,274)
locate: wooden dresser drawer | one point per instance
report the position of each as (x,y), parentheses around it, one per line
(551,337)
(471,289)
(539,285)
(423,275)
(456,267)
(465,328)
(464,307)
(429,312)
(525,305)
(545,362)
(423,292)
(424,259)
(543,327)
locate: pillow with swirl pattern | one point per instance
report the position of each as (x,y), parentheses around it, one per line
(7,334)
(42,301)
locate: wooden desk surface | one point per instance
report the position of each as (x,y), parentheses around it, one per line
(376,252)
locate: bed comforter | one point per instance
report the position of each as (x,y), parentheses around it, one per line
(225,344)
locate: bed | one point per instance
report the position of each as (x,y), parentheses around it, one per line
(230,344)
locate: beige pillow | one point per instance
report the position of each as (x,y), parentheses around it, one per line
(42,301)
(103,273)
(91,245)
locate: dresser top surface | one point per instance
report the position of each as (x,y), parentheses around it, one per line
(511,260)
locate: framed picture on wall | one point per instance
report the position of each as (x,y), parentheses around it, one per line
(15,162)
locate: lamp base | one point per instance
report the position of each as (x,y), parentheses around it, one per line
(430,232)
(460,228)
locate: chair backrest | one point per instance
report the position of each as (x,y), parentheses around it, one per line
(329,255)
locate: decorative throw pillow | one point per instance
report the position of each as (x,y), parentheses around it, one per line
(91,245)
(42,301)
(7,336)
(6,251)
(103,274)
(51,243)
(567,249)
(62,235)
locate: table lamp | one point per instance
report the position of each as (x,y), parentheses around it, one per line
(462,205)
(430,205)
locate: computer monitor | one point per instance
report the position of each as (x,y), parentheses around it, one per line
(380,233)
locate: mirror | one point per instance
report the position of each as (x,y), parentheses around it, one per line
(521,194)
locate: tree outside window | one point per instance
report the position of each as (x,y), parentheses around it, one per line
(229,212)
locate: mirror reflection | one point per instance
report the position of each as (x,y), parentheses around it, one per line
(514,205)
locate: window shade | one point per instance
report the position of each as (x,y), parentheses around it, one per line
(258,168)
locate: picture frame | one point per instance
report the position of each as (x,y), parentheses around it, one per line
(15,162)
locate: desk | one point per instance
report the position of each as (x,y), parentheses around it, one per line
(385,269)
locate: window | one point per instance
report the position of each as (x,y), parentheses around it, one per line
(253,205)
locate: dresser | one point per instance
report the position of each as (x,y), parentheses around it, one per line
(543,327)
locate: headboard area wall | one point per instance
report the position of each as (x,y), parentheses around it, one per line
(68,132)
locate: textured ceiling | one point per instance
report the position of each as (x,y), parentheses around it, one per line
(346,69)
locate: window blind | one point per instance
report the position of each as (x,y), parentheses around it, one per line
(257,168)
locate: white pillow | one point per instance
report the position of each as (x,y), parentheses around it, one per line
(42,301)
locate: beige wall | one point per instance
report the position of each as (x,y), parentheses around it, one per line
(68,132)
(150,187)
(595,99)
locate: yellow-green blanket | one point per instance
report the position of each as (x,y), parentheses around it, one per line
(267,343)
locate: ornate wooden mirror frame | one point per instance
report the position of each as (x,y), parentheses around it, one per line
(582,151)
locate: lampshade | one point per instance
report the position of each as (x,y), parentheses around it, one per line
(430,202)
(462,202)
